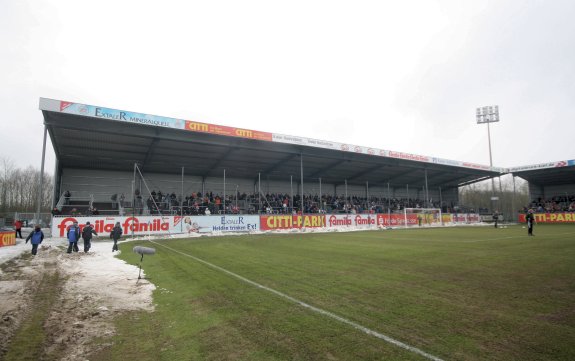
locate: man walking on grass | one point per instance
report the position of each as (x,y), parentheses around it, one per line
(530,218)
(87,233)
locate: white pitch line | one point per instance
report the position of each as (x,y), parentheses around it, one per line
(310,307)
(493,239)
(522,236)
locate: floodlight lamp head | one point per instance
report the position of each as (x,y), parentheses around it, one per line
(489,114)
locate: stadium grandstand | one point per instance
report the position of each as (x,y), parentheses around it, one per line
(551,189)
(120,163)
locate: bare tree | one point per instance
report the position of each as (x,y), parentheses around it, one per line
(509,202)
(19,188)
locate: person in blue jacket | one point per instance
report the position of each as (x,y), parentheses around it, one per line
(73,236)
(35,237)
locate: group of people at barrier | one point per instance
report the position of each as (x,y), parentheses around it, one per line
(198,203)
(75,233)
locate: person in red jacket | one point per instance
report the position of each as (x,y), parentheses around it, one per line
(18,227)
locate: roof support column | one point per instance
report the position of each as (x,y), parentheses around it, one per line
(182,202)
(440,201)
(348,203)
(513,211)
(426,191)
(320,202)
(204,186)
(367,195)
(388,203)
(291,190)
(301,175)
(41,185)
(407,194)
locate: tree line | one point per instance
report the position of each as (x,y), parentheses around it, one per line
(509,202)
(19,189)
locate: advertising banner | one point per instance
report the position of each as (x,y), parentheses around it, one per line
(143,225)
(7,239)
(550,217)
(392,220)
(227,131)
(273,222)
(154,225)
(475,218)
(120,115)
(227,223)
(352,220)
(557,164)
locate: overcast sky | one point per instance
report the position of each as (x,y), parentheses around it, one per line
(396,75)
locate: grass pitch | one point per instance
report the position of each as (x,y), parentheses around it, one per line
(472,293)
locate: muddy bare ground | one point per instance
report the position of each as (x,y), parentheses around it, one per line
(87,290)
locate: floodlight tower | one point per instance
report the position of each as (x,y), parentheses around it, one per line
(489,114)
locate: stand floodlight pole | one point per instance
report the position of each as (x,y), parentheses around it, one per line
(488,115)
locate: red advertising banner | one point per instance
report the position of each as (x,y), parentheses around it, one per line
(7,239)
(550,217)
(288,222)
(227,131)
(103,224)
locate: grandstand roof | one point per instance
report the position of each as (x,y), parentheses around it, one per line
(548,174)
(85,136)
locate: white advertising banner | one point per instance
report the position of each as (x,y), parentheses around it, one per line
(351,220)
(154,225)
(227,223)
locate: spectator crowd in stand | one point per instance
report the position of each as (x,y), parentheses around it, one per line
(198,203)
(556,204)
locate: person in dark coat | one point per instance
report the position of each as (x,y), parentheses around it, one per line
(87,233)
(67,196)
(530,219)
(18,228)
(73,237)
(115,235)
(35,237)
(495,218)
